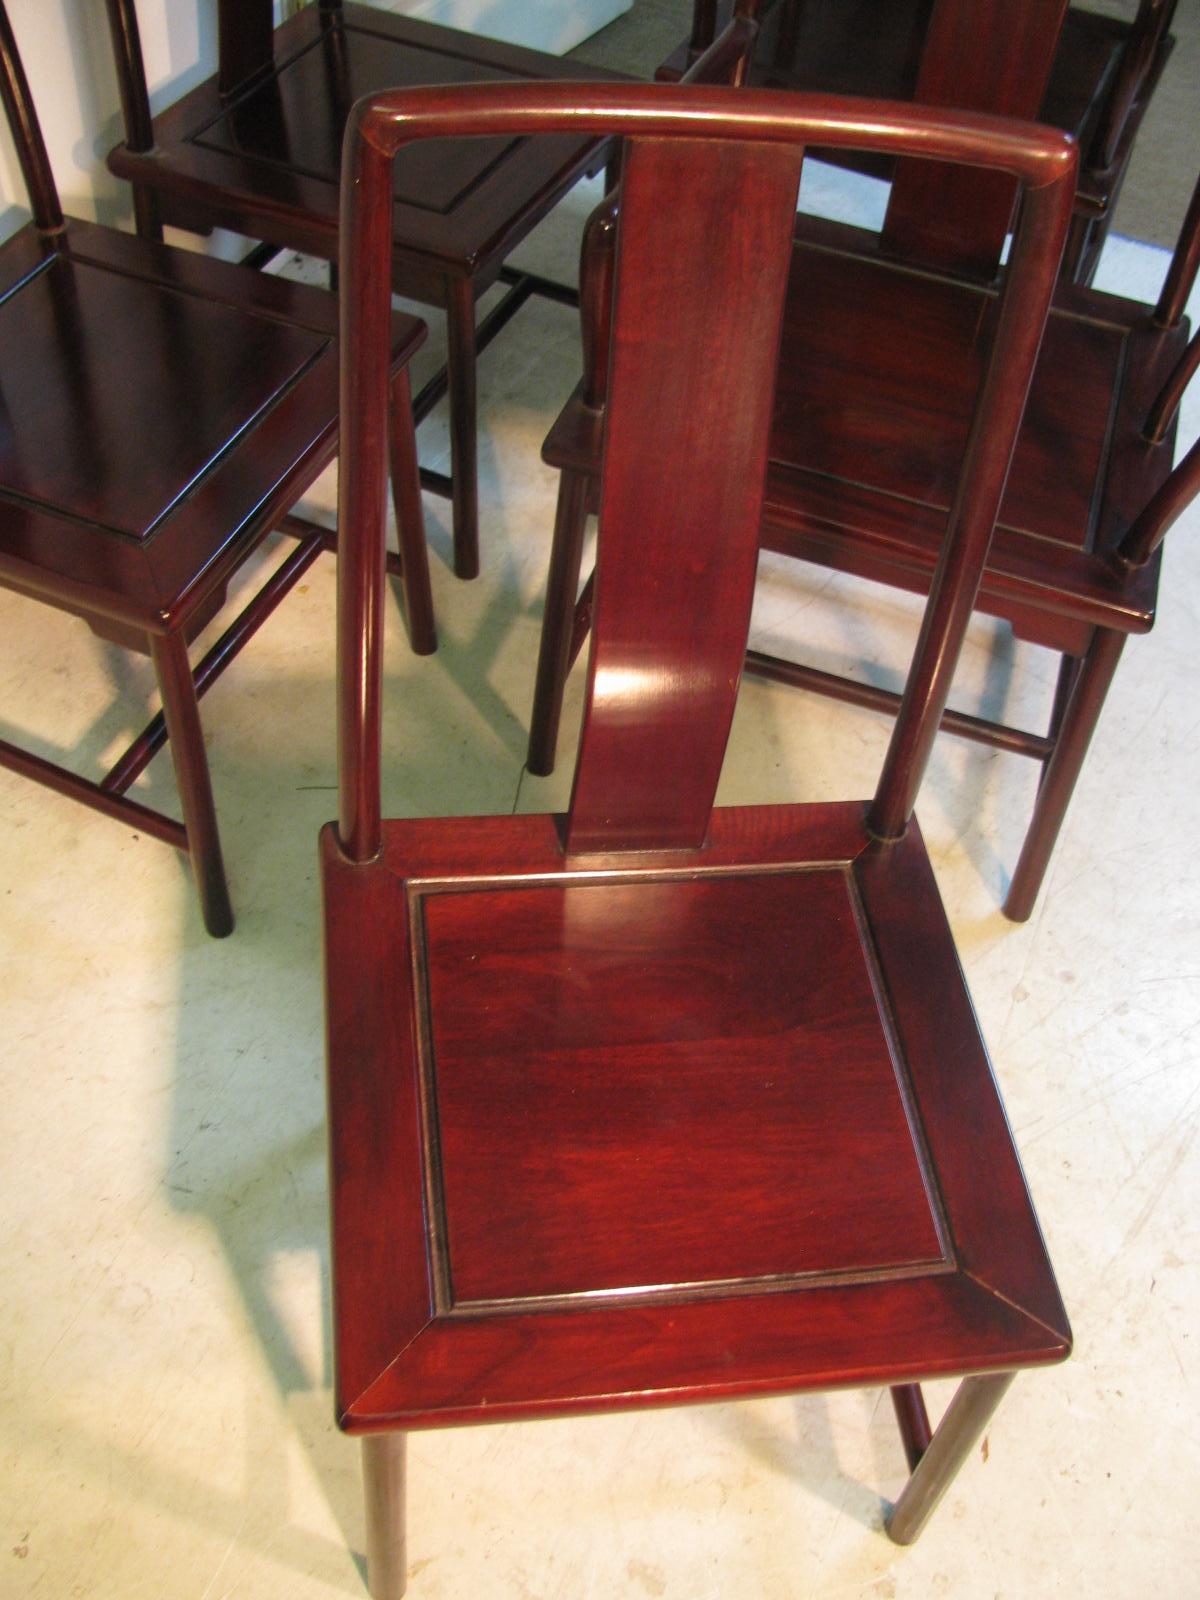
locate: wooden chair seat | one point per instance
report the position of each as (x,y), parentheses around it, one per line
(162,414)
(116,472)
(257,147)
(651,1102)
(686,1131)
(867,435)
(1099,81)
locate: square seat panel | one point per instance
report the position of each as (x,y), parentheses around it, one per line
(640,1128)
(125,467)
(156,410)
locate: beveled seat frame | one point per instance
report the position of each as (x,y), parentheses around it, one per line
(671,685)
(160,621)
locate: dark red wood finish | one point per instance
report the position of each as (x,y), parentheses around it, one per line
(257,149)
(880,363)
(1094,79)
(654,1103)
(162,415)
(991,55)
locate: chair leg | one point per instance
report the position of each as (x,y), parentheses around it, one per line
(1092,680)
(953,1439)
(383,1486)
(410,520)
(1067,672)
(913,1420)
(554,654)
(186,739)
(464,465)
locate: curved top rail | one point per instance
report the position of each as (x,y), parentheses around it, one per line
(1035,155)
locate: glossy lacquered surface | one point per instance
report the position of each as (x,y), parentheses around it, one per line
(256,148)
(880,365)
(1090,74)
(206,1335)
(650,1102)
(162,414)
(687,1130)
(264,157)
(134,369)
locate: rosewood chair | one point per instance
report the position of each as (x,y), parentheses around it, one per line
(879,361)
(1089,74)
(256,149)
(161,414)
(653,1102)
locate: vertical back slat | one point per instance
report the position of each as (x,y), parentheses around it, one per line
(987,55)
(699,297)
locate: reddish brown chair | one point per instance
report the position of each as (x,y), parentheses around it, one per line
(651,1103)
(1089,74)
(162,414)
(879,362)
(256,149)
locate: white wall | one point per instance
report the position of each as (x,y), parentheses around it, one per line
(65,47)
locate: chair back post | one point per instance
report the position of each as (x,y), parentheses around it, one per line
(365,319)
(1163,412)
(1181,274)
(1165,506)
(131,74)
(135,105)
(1173,496)
(1141,46)
(1025,301)
(27,133)
(597,257)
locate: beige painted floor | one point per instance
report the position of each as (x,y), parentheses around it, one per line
(166,1415)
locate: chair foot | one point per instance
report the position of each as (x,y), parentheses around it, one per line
(952,1442)
(464,465)
(383,1457)
(181,714)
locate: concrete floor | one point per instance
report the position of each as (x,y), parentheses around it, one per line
(165,1412)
